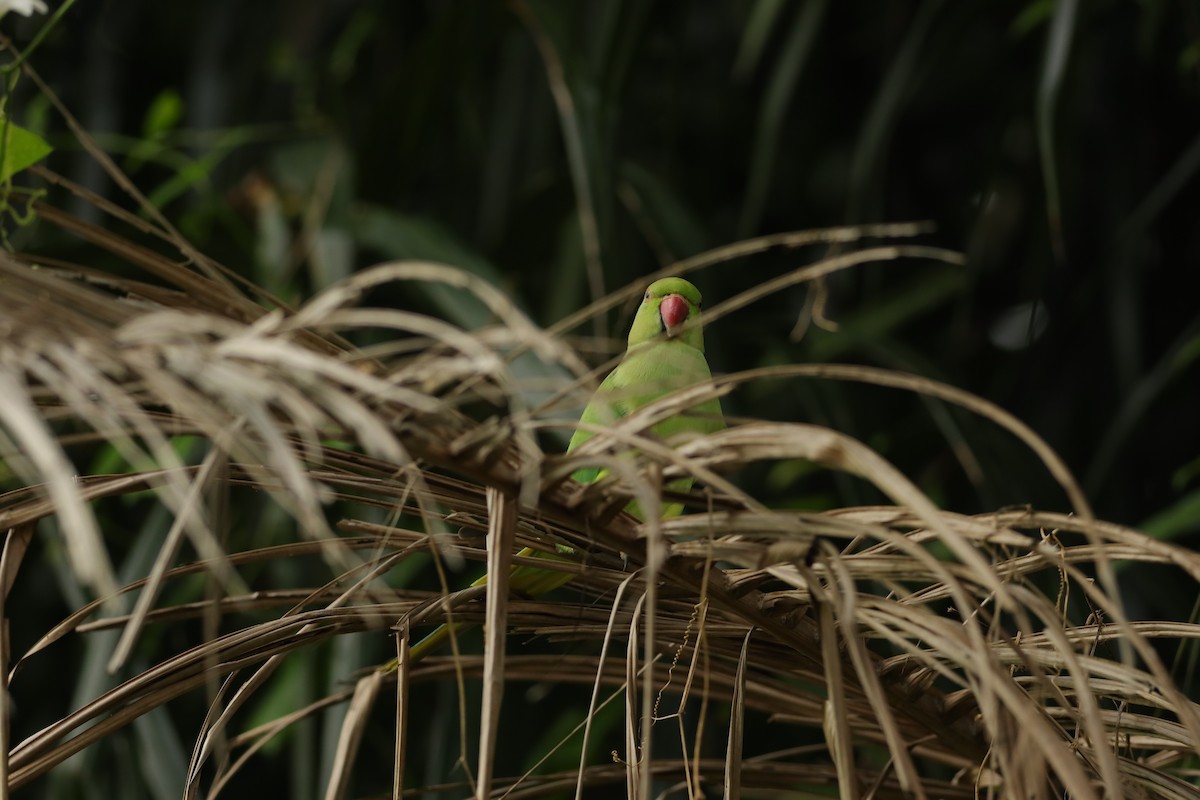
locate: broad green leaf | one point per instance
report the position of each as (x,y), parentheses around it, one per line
(21,148)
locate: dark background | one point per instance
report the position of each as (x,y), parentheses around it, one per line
(298,140)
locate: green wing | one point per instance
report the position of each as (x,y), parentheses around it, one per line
(649,373)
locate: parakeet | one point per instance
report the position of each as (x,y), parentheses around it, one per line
(663,356)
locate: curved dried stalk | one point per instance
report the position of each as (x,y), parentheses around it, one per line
(948,643)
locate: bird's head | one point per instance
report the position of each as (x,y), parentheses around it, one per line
(667,305)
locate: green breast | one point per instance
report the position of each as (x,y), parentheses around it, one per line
(646,374)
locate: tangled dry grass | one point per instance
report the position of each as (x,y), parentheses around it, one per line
(927,653)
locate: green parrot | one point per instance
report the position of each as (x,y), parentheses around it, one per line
(663,356)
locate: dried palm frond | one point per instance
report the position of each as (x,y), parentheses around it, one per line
(898,650)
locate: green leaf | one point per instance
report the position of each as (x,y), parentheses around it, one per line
(760,22)
(665,214)
(21,149)
(1032,17)
(401,236)
(163,115)
(875,321)
(1176,520)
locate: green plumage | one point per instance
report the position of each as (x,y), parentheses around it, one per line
(656,363)
(665,354)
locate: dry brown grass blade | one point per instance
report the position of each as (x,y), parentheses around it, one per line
(219,717)
(1006,686)
(201,290)
(576,158)
(166,556)
(142,225)
(352,733)
(789,240)
(517,783)
(403,668)
(737,724)
(808,273)
(828,266)
(843,597)
(96,152)
(91,314)
(184,673)
(836,724)
(259,737)
(932,388)
(761,441)
(16,542)
(76,621)
(634,787)
(34,454)
(502,511)
(609,629)
(700,663)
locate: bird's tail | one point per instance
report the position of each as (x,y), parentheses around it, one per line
(524,580)
(423,647)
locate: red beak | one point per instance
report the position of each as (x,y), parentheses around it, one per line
(673,311)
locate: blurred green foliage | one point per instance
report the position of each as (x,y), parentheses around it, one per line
(1055,143)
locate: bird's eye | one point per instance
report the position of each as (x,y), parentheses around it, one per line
(647,297)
